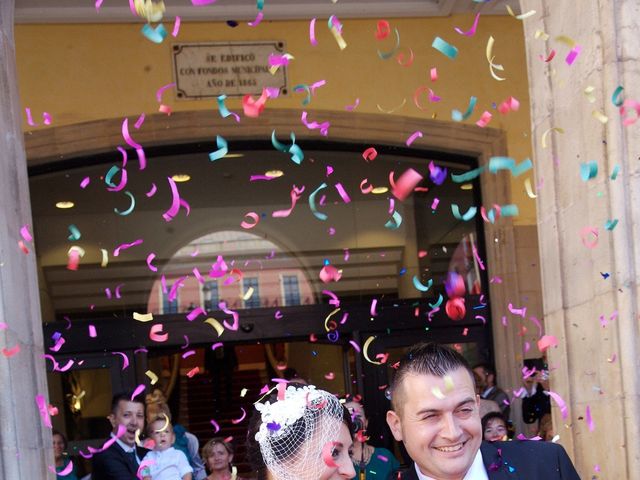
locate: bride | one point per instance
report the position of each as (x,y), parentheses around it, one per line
(303,434)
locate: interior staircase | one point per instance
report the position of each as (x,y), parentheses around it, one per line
(203,405)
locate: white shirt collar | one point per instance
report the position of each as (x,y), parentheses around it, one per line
(487,391)
(476,472)
(123,445)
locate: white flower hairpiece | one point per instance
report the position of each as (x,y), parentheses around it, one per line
(277,416)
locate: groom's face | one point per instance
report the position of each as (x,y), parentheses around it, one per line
(438,420)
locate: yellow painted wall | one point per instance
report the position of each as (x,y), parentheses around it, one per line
(79,73)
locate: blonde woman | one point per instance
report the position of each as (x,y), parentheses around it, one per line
(218,457)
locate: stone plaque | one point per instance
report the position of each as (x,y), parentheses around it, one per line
(205,70)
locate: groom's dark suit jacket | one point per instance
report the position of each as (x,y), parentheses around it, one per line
(115,464)
(521,460)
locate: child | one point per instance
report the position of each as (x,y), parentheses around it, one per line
(164,462)
(494,427)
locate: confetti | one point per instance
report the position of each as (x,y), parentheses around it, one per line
(336,29)
(421,287)
(505,163)
(296,152)
(472,31)
(236,421)
(589,236)
(588,170)
(156,35)
(490,57)
(248,225)
(392,52)
(445,48)
(627,106)
(547,132)
(522,16)
(471,212)
(412,138)
(312,203)
(616,98)
(458,116)
(323,127)
(365,350)
(223,149)
(155,335)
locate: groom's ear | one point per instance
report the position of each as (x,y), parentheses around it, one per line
(395,424)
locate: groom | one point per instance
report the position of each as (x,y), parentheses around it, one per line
(435,413)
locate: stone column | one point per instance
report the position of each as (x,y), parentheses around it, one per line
(25,444)
(596,363)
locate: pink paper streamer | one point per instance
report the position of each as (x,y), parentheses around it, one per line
(69,468)
(139,122)
(323,127)
(46,118)
(150,258)
(152,192)
(188,354)
(372,310)
(296,193)
(216,345)
(98,5)
(173,293)
(355,346)
(518,311)
(335,301)
(215,425)
(195,313)
(200,3)
(176,26)
(277,60)
(29,117)
(24,233)
(573,54)
(234,315)
(434,74)
(351,108)
(125,359)
(589,419)
(484,120)
(405,184)
(162,89)
(44,411)
(257,21)
(412,138)
(176,202)
(472,31)
(92,331)
(126,246)
(155,335)
(85,181)
(312,32)
(343,193)
(477,257)
(139,389)
(186,339)
(134,144)
(435,203)
(564,410)
(247,225)
(67,366)
(236,421)
(61,341)
(198,275)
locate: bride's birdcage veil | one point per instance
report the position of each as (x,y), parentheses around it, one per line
(295,430)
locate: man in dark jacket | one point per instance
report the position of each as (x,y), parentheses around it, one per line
(435,415)
(121,459)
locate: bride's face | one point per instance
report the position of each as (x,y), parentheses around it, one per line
(341,456)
